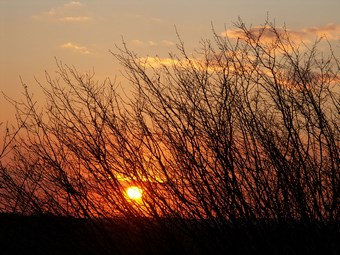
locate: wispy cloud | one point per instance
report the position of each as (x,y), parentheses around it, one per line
(75,19)
(75,47)
(68,12)
(330,31)
(73,4)
(165,43)
(214,67)
(157,62)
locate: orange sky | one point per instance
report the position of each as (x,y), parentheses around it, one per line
(80,33)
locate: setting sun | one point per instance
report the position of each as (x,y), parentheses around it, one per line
(134,192)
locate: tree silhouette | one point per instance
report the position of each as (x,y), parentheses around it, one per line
(244,132)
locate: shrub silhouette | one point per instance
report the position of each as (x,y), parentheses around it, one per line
(241,138)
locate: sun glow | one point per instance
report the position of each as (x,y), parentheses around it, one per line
(134,192)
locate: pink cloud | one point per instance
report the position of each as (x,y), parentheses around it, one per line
(330,31)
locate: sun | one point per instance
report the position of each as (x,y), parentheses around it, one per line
(134,192)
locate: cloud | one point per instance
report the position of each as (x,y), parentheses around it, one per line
(267,34)
(157,62)
(75,19)
(137,42)
(68,12)
(330,31)
(75,47)
(165,43)
(152,43)
(73,4)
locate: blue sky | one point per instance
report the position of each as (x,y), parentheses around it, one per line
(80,33)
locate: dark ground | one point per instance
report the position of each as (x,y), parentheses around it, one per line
(61,235)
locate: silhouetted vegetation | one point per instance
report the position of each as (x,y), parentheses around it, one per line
(65,235)
(236,148)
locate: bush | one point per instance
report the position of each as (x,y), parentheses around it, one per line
(242,133)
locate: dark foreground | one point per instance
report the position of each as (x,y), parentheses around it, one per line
(60,235)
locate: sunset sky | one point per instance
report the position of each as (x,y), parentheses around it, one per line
(35,32)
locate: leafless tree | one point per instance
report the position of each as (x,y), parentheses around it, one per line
(245,130)
(7,185)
